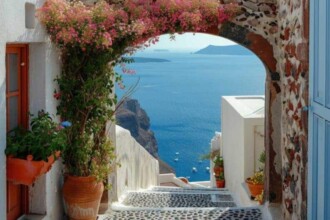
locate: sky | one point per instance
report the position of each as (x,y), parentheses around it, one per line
(189,42)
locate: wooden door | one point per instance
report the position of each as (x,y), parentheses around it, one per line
(319,112)
(17,114)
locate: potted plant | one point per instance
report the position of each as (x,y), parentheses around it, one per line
(86,88)
(31,153)
(218,165)
(85,101)
(220,180)
(256,183)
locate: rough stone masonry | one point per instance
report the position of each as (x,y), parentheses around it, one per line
(277,31)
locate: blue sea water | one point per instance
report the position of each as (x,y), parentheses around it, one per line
(183,100)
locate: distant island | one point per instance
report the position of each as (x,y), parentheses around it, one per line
(224,50)
(161,50)
(148,60)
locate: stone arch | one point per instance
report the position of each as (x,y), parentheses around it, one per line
(264,48)
(257,30)
(267,33)
(277,31)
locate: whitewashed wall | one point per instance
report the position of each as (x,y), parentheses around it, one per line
(2,114)
(242,141)
(18,25)
(44,67)
(138,170)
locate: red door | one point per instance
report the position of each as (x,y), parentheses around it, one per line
(17,114)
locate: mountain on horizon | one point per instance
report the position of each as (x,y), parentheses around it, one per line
(161,50)
(224,50)
(149,60)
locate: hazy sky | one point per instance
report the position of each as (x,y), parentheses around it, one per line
(189,42)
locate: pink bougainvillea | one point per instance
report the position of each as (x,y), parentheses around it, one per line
(93,39)
(136,23)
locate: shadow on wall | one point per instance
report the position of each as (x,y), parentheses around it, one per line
(2,116)
(2,143)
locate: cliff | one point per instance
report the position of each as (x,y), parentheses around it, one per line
(132,117)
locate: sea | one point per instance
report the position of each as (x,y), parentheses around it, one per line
(182,98)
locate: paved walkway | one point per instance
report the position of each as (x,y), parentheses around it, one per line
(167,203)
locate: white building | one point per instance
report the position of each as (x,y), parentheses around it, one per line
(242,122)
(28,66)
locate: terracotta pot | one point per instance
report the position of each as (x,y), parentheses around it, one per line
(82,196)
(218,170)
(220,183)
(51,160)
(255,189)
(26,172)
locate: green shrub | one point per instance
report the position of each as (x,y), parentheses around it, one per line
(43,139)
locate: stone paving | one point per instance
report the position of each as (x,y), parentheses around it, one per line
(179,189)
(161,200)
(197,214)
(169,203)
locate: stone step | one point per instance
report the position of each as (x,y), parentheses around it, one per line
(193,214)
(172,189)
(164,200)
(187,190)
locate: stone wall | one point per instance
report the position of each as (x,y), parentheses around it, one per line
(293,65)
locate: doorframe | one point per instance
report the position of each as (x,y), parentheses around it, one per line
(311,209)
(24,105)
(317,203)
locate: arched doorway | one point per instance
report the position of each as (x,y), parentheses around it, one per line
(264,50)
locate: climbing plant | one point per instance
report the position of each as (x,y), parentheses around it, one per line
(92,40)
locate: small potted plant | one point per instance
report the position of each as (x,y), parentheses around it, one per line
(256,183)
(31,153)
(220,180)
(218,165)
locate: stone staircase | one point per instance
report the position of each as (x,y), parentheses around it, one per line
(168,203)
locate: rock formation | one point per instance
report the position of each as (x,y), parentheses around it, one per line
(132,117)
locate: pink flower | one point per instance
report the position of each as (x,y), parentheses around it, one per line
(72,24)
(57,95)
